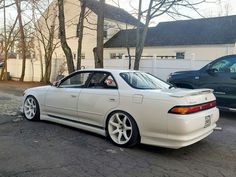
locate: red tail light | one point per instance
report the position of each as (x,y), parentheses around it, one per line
(192,109)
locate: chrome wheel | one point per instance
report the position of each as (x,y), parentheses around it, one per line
(30,108)
(120,128)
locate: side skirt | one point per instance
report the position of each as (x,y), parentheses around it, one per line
(74,123)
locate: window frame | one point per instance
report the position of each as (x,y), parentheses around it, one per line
(88,79)
(230,57)
(116,56)
(132,86)
(180,52)
(73,74)
(108,74)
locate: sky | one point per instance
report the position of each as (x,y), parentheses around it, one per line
(211,9)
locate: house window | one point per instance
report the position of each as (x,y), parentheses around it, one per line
(105,34)
(112,55)
(105,30)
(82,56)
(116,55)
(180,55)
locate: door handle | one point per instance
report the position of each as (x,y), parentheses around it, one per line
(112,99)
(73,96)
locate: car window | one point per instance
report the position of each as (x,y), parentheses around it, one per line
(110,82)
(226,65)
(143,81)
(76,81)
(101,80)
(233,68)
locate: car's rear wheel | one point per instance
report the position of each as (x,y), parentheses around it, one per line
(31,109)
(122,129)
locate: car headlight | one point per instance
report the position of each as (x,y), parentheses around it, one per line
(24,92)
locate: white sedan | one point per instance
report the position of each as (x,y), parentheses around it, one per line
(127,106)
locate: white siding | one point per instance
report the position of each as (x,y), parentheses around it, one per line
(198,52)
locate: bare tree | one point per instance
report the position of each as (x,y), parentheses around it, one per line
(62,32)
(10,34)
(22,38)
(45,32)
(98,51)
(117,3)
(155,9)
(80,29)
(5,43)
(34,7)
(224,8)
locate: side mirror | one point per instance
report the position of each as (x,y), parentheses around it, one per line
(211,70)
(56,83)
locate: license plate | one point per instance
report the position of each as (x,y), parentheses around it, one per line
(207,121)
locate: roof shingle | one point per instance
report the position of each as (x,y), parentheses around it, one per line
(112,12)
(207,31)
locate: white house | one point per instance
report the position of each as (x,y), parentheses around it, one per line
(116,19)
(170,46)
(199,39)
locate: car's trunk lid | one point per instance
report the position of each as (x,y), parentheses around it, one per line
(195,96)
(189,92)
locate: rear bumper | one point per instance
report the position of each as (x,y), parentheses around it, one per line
(184,130)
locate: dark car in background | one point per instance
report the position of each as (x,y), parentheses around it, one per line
(219,75)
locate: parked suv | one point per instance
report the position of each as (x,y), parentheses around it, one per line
(219,75)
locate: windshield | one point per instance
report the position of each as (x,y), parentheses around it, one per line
(143,81)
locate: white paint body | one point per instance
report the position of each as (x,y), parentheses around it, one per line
(88,109)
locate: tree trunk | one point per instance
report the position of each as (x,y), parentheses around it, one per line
(80,29)
(38,42)
(128,47)
(48,68)
(138,30)
(41,60)
(139,48)
(49,52)
(100,35)
(97,61)
(130,59)
(62,32)
(141,34)
(22,39)
(4,68)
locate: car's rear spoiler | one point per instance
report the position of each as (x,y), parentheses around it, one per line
(192,92)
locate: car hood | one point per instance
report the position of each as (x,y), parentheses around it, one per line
(41,88)
(184,72)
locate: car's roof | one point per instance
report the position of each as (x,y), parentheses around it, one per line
(109,70)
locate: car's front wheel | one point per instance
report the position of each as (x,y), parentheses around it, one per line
(31,109)
(122,129)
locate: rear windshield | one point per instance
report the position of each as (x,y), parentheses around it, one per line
(141,80)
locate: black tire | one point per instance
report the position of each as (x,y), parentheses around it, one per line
(132,137)
(31,109)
